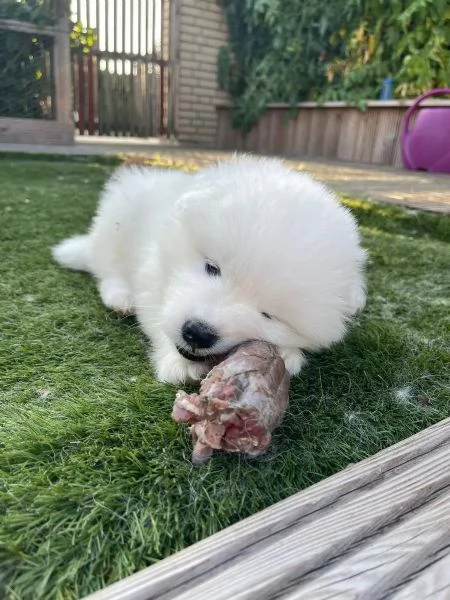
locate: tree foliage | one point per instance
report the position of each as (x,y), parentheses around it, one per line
(25,79)
(34,11)
(294,50)
(25,60)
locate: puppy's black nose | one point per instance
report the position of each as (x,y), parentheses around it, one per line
(199,334)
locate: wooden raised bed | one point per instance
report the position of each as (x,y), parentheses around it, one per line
(378,529)
(59,130)
(333,130)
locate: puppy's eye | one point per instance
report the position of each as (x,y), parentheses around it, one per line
(212,269)
(266,315)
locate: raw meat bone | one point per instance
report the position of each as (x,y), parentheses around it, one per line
(240,402)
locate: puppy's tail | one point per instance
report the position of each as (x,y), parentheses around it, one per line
(73,253)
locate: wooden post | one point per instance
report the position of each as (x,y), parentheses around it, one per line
(62,65)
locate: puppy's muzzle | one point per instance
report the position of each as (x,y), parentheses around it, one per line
(199,335)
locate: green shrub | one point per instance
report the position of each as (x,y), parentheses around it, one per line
(294,50)
(25,71)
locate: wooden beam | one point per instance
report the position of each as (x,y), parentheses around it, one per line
(371,528)
(137,58)
(44,132)
(62,65)
(25,27)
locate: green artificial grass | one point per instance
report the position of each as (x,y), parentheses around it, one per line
(95,478)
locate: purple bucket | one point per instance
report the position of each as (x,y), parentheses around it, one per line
(426,146)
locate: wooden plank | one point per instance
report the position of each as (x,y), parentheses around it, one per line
(388,559)
(174,61)
(143,85)
(275,125)
(239,141)
(394,134)
(263,126)
(431,584)
(159,117)
(74,73)
(302,126)
(276,564)
(108,118)
(95,84)
(230,134)
(251,140)
(332,133)
(290,124)
(283,135)
(121,111)
(91,95)
(389,122)
(143,125)
(151,95)
(319,118)
(366,136)
(126,101)
(348,135)
(265,554)
(361,138)
(397,160)
(81,89)
(100,99)
(125,97)
(116,113)
(233,138)
(140,123)
(162,75)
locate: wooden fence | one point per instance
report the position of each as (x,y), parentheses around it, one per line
(332,131)
(59,129)
(117,97)
(121,81)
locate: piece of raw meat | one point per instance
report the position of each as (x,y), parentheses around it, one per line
(240,403)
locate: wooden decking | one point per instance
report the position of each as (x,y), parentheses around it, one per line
(379,529)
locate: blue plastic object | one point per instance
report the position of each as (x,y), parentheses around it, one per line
(386,91)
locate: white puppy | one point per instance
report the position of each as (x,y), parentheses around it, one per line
(247,249)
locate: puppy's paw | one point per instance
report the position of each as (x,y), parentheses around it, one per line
(116,296)
(196,371)
(173,368)
(293,359)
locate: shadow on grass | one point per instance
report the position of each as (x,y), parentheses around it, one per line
(396,220)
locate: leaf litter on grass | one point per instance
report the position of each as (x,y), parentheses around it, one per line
(95,478)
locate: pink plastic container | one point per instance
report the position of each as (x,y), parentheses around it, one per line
(426,146)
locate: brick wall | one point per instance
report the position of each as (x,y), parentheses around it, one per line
(200,30)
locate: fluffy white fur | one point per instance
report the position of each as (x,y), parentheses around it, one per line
(284,245)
